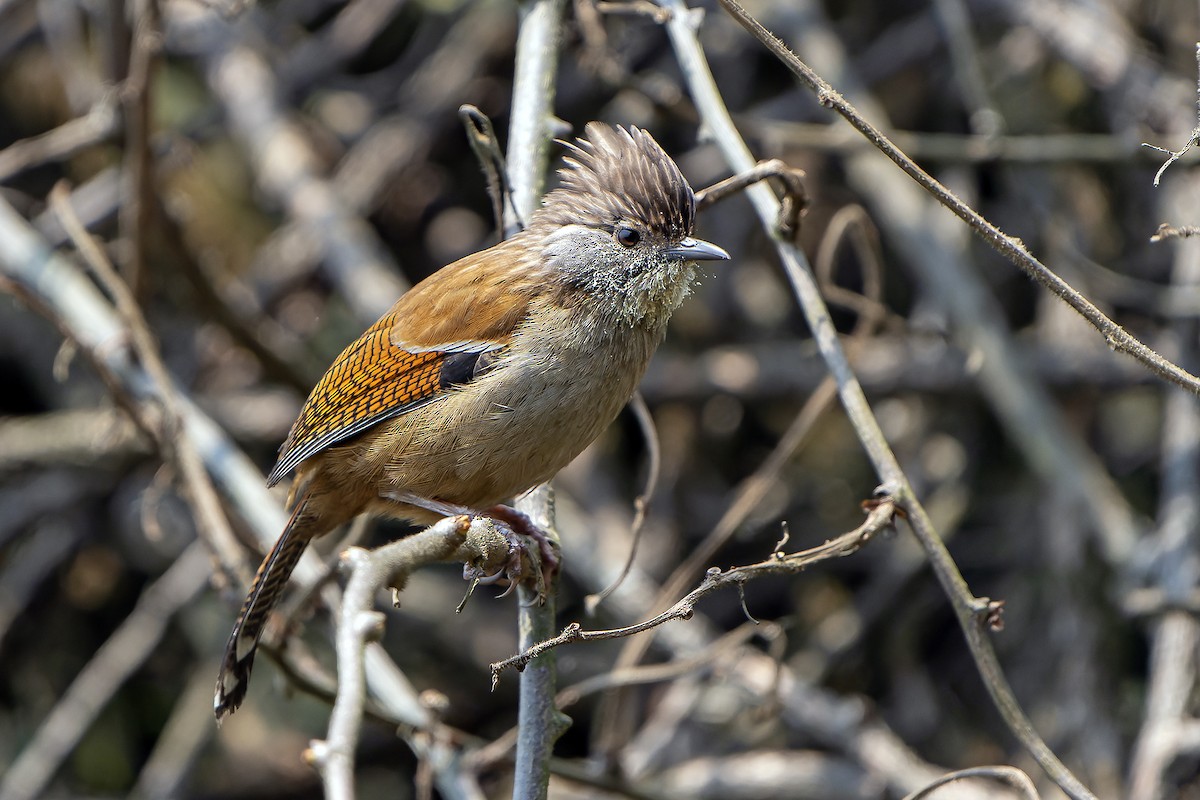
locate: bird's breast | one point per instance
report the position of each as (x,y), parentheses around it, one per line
(562,380)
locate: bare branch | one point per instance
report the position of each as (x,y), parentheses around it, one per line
(879,518)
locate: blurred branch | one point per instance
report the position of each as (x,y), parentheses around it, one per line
(885,364)
(973,613)
(82,437)
(637,406)
(28,564)
(52,280)
(968,72)
(183,737)
(177,449)
(80,133)
(769,773)
(1172,562)
(117,659)
(357,262)
(137,210)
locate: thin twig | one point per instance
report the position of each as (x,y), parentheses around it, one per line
(1193,137)
(645,420)
(486,146)
(1167,231)
(752,490)
(879,518)
(795,195)
(1012,776)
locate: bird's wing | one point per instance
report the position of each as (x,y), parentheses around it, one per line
(395,366)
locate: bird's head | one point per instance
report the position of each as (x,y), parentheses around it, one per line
(617,232)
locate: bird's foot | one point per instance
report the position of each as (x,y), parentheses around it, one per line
(517,528)
(519,522)
(524,564)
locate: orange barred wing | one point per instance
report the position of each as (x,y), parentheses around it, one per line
(373,380)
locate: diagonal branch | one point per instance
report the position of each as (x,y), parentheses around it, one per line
(1009,246)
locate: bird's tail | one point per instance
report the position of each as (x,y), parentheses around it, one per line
(268,585)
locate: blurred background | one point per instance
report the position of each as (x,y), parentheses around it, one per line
(269,177)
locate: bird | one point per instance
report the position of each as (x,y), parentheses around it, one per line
(493,373)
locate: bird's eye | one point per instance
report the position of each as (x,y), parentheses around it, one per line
(628,236)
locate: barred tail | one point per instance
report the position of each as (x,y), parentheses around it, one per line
(268,585)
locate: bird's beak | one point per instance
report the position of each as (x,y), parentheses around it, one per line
(690,249)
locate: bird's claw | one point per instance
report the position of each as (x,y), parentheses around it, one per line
(517,527)
(523,563)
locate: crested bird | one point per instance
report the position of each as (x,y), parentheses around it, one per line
(493,373)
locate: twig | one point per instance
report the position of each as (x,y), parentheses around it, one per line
(1193,137)
(100,123)
(933,248)
(795,196)
(645,420)
(1014,777)
(1167,231)
(486,146)
(752,490)
(973,613)
(879,518)
(116,660)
